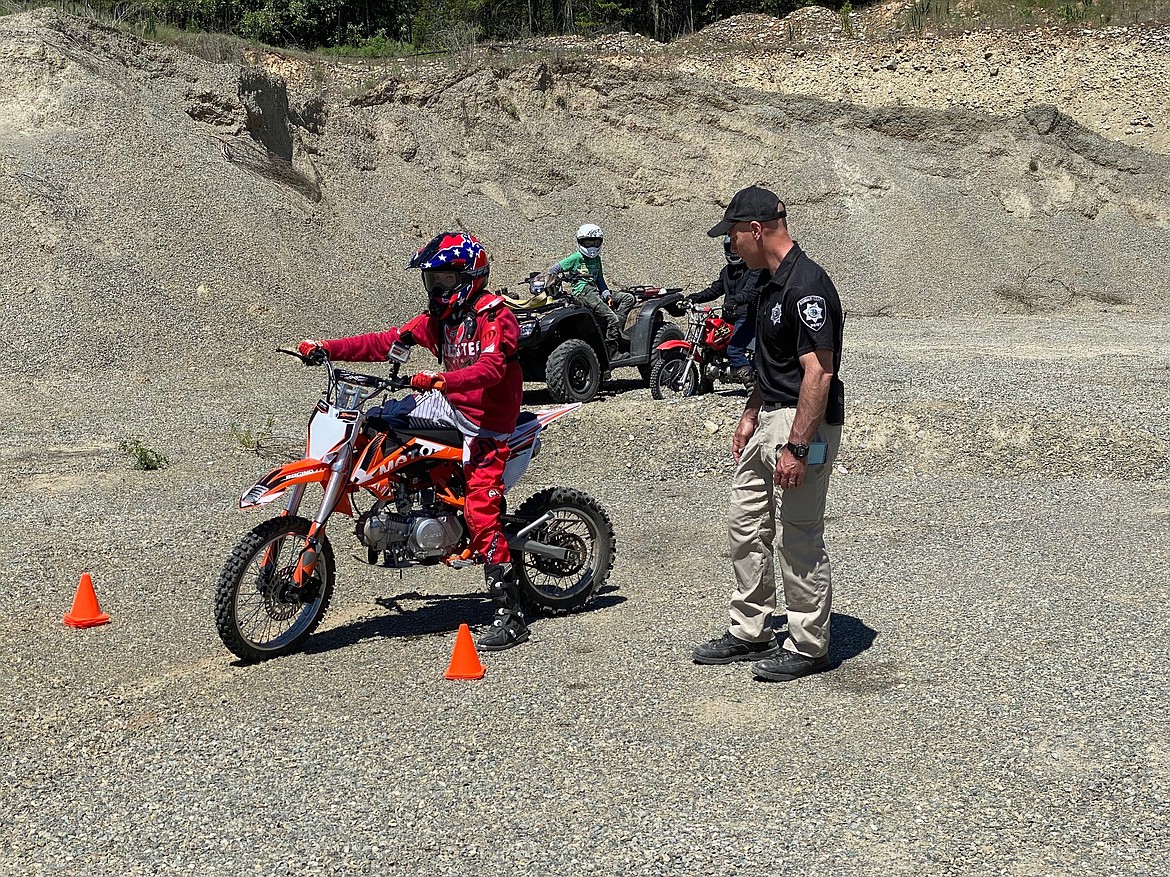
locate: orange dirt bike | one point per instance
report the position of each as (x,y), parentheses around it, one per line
(278,580)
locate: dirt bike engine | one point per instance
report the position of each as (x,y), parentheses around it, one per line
(411,533)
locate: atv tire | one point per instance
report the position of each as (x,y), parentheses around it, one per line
(573,373)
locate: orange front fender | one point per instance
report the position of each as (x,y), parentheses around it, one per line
(280,479)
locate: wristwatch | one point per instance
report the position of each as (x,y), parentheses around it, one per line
(798,451)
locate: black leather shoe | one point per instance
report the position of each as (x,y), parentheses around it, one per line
(787,666)
(728,648)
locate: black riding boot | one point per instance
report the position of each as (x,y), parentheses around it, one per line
(508,628)
(613,342)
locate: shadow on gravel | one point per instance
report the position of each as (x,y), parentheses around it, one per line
(850,637)
(610,388)
(617,387)
(439,614)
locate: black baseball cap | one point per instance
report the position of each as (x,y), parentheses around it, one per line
(753,204)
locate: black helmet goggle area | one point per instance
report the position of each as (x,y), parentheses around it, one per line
(443,279)
(589,242)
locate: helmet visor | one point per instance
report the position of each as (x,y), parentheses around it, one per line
(589,242)
(441,280)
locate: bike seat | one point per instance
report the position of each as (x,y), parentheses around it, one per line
(431,430)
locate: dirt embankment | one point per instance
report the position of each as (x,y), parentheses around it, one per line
(146,190)
(1109,80)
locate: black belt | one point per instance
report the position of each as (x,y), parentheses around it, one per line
(776,406)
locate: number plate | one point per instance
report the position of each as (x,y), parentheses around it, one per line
(326,432)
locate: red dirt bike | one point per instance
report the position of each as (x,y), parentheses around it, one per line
(278,580)
(691,366)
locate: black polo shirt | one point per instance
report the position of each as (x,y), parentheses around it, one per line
(798,312)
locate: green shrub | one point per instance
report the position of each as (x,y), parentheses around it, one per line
(847,18)
(254,440)
(143,456)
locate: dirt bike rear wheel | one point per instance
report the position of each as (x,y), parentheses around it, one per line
(259,613)
(667,382)
(578,524)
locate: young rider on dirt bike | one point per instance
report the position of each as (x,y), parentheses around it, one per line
(475,337)
(739,286)
(589,287)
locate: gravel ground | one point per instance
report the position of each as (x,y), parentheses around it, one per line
(998,518)
(996,704)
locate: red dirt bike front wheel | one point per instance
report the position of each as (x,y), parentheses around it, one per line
(672,379)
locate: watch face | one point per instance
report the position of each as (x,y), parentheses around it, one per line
(798,451)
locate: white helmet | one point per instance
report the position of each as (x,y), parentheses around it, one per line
(589,238)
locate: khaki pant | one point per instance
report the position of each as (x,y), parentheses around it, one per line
(804,562)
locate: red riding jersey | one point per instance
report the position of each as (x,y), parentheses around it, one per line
(478,354)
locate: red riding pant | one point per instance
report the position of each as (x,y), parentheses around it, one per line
(483,470)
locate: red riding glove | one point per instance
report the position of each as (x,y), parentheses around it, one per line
(306,347)
(424,381)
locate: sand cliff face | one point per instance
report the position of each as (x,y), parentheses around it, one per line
(148,193)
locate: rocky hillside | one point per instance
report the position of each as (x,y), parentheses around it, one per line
(156,202)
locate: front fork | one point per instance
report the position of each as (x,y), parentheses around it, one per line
(695,362)
(310,552)
(334,489)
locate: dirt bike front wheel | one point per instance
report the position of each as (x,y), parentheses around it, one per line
(577,523)
(672,379)
(259,610)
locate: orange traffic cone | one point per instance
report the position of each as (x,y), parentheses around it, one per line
(464,660)
(85,611)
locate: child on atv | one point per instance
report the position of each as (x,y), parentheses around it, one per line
(583,270)
(475,337)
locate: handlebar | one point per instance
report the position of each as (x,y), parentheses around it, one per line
(358,379)
(307,360)
(695,309)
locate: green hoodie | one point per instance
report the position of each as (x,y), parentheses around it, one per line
(574,262)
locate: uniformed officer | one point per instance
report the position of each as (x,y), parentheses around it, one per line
(784,445)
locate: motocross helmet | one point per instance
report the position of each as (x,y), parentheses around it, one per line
(733,258)
(454,269)
(589,238)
